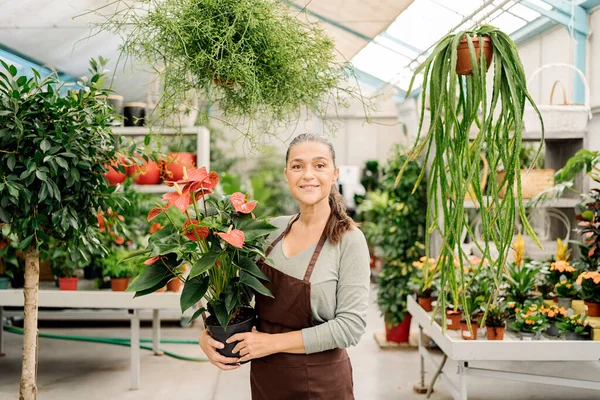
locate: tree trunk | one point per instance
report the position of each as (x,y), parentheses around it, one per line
(29,368)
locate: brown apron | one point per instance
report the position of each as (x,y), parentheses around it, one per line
(283,376)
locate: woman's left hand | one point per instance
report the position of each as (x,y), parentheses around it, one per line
(253,344)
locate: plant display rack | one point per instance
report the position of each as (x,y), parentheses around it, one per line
(509,349)
(202,152)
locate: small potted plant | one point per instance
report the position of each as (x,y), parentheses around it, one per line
(512,308)
(553,315)
(119,272)
(422,282)
(565,290)
(530,322)
(496,320)
(473,304)
(221,242)
(573,327)
(589,283)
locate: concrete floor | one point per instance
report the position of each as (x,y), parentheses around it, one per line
(77,370)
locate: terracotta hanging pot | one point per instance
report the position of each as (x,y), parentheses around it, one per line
(147,174)
(463,61)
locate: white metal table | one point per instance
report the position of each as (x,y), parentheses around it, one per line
(105,300)
(509,349)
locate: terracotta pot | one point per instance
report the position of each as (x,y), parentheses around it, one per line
(68,283)
(173,167)
(372,262)
(426,303)
(113,176)
(463,62)
(464,331)
(453,320)
(174,285)
(119,284)
(146,174)
(398,333)
(161,290)
(593,309)
(495,333)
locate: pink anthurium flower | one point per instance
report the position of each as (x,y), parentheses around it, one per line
(234,237)
(152,260)
(188,231)
(180,199)
(240,203)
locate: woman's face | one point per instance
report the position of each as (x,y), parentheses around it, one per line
(310,172)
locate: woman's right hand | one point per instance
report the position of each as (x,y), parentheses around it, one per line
(209,346)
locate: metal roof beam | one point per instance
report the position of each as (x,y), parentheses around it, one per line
(560,5)
(532,30)
(588,5)
(560,17)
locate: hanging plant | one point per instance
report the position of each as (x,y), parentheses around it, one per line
(253,58)
(459,104)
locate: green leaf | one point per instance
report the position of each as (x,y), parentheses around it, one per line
(45,145)
(43,193)
(22,80)
(193,291)
(75,174)
(150,277)
(12,160)
(25,242)
(159,249)
(250,266)
(197,314)
(204,264)
(147,139)
(251,281)
(4,215)
(154,288)
(62,163)
(254,228)
(13,70)
(41,175)
(221,313)
(231,300)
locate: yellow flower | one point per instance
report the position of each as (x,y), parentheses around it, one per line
(562,251)
(519,248)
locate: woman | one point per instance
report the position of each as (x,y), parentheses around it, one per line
(318,267)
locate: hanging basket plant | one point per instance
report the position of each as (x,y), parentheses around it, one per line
(254,59)
(463,119)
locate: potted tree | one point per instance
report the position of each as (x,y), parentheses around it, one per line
(461,120)
(589,282)
(495,321)
(221,242)
(573,327)
(52,171)
(391,299)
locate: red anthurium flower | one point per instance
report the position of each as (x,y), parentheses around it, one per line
(190,176)
(101,224)
(188,231)
(240,203)
(155,227)
(120,240)
(152,260)
(180,199)
(201,193)
(234,237)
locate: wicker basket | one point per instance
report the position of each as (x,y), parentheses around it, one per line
(532,183)
(565,117)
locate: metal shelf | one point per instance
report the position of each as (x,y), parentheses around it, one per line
(557,203)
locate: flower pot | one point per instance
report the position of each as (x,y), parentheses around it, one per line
(18,280)
(119,284)
(173,167)
(426,303)
(4,283)
(116,102)
(565,302)
(217,332)
(372,262)
(495,333)
(174,285)
(509,323)
(161,290)
(573,336)
(113,176)
(463,61)
(529,336)
(464,331)
(453,320)
(68,283)
(92,272)
(593,309)
(224,83)
(146,174)
(552,331)
(398,333)
(134,114)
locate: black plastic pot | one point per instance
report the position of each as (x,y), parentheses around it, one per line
(134,114)
(91,272)
(221,335)
(116,102)
(18,280)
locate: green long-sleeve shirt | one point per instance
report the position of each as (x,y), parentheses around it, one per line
(339,287)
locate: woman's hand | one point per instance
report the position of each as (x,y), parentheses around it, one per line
(209,347)
(253,344)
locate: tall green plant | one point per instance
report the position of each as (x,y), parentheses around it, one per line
(459,104)
(53,151)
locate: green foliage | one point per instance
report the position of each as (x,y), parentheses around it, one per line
(457,105)
(53,154)
(113,267)
(566,288)
(393,292)
(530,319)
(252,58)
(64,257)
(589,283)
(9,262)
(520,281)
(575,323)
(496,315)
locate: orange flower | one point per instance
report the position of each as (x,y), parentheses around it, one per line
(234,237)
(529,321)
(551,314)
(240,203)
(120,240)
(155,227)
(561,266)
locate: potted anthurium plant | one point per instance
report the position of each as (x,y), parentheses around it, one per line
(220,239)
(463,118)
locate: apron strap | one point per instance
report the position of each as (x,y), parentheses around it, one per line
(315,257)
(286,230)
